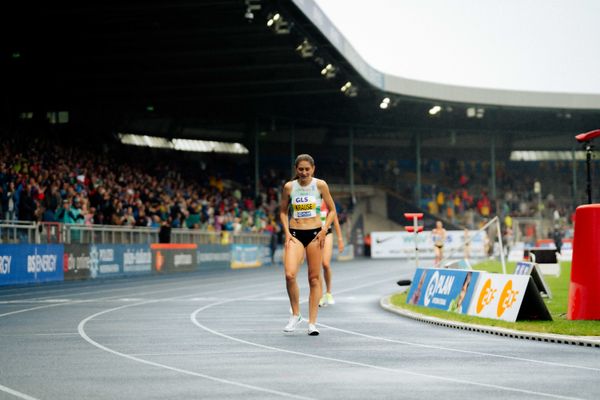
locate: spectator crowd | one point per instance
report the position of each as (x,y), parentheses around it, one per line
(44,181)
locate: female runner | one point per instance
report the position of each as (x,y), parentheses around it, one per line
(304,232)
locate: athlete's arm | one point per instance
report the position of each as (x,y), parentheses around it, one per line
(324,189)
(283,212)
(338,232)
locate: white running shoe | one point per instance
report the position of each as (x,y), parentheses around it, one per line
(293,323)
(312,330)
(330,299)
(323,301)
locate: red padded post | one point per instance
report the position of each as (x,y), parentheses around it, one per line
(584,291)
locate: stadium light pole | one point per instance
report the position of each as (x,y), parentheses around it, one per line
(256,158)
(493,166)
(418,166)
(351,164)
(293,148)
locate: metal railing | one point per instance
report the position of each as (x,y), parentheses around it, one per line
(18,232)
(53,232)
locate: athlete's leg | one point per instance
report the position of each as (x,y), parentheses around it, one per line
(293,254)
(314,258)
(327,254)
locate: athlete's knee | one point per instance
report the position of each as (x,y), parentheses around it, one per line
(326,265)
(314,280)
(290,277)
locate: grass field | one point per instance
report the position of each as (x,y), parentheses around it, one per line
(557,306)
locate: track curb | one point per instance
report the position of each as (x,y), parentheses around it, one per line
(583,341)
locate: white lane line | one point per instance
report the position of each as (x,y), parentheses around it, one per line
(38,308)
(551,363)
(16,393)
(35,301)
(193,318)
(199,285)
(83,334)
(146,283)
(41,334)
(479,353)
(377,367)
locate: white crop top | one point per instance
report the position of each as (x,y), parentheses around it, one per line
(305,200)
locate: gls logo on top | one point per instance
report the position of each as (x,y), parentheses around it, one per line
(304,206)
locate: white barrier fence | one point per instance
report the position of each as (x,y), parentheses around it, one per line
(51,232)
(402,244)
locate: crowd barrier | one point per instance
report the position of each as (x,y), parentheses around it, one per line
(39,263)
(38,253)
(41,252)
(15,232)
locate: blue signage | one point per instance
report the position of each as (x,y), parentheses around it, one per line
(110,260)
(24,263)
(524,268)
(135,258)
(214,255)
(246,255)
(104,261)
(445,289)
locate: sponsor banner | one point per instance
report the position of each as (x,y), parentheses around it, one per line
(137,258)
(445,289)
(499,296)
(104,261)
(532,269)
(111,260)
(402,244)
(174,257)
(524,268)
(266,255)
(246,255)
(76,262)
(214,255)
(24,263)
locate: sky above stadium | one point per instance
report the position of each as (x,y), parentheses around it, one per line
(544,46)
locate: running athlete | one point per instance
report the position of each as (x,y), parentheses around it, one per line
(438,235)
(304,232)
(327,298)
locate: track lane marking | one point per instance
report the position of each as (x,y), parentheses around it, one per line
(479,353)
(111,297)
(17,393)
(194,320)
(84,335)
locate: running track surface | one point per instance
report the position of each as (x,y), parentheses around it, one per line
(217,334)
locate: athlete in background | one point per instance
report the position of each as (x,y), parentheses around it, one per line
(327,298)
(438,235)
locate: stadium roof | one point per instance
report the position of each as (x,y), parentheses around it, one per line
(210,65)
